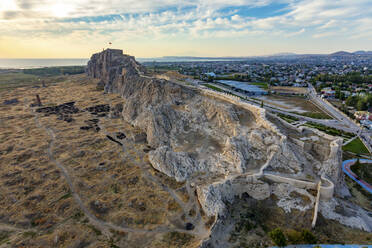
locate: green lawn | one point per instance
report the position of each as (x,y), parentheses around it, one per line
(287,118)
(356,146)
(330,130)
(314,115)
(262,85)
(213,87)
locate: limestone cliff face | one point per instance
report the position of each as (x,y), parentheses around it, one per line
(210,139)
(110,66)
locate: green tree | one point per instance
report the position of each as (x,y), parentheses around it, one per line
(352,101)
(294,237)
(338,93)
(356,167)
(278,237)
(368,100)
(210,79)
(342,96)
(308,237)
(361,104)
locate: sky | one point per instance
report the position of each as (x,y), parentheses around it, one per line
(155,28)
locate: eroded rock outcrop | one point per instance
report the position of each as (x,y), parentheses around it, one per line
(220,144)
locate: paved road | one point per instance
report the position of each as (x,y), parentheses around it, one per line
(327,122)
(346,168)
(342,118)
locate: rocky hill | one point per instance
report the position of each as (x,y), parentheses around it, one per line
(223,147)
(155,161)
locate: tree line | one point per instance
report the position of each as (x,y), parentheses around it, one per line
(360,102)
(351,77)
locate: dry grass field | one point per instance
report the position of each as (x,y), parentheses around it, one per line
(295,104)
(77,177)
(74,174)
(289,89)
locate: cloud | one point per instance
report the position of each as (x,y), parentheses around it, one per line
(291,34)
(193,20)
(191,16)
(109,7)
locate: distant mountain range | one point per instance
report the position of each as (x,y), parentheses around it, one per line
(343,53)
(339,54)
(363,52)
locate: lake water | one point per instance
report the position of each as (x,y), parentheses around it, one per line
(37,63)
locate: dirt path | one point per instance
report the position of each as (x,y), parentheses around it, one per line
(13,233)
(192,203)
(104,226)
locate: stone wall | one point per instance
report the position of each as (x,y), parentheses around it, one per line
(170,114)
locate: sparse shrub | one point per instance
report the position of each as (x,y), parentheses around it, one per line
(177,239)
(112,243)
(173,205)
(65,196)
(78,215)
(100,86)
(95,230)
(308,237)
(115,188)
(39,221)
(30,234)
(3,236)
(192,212)
(278,237)
(294,237)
